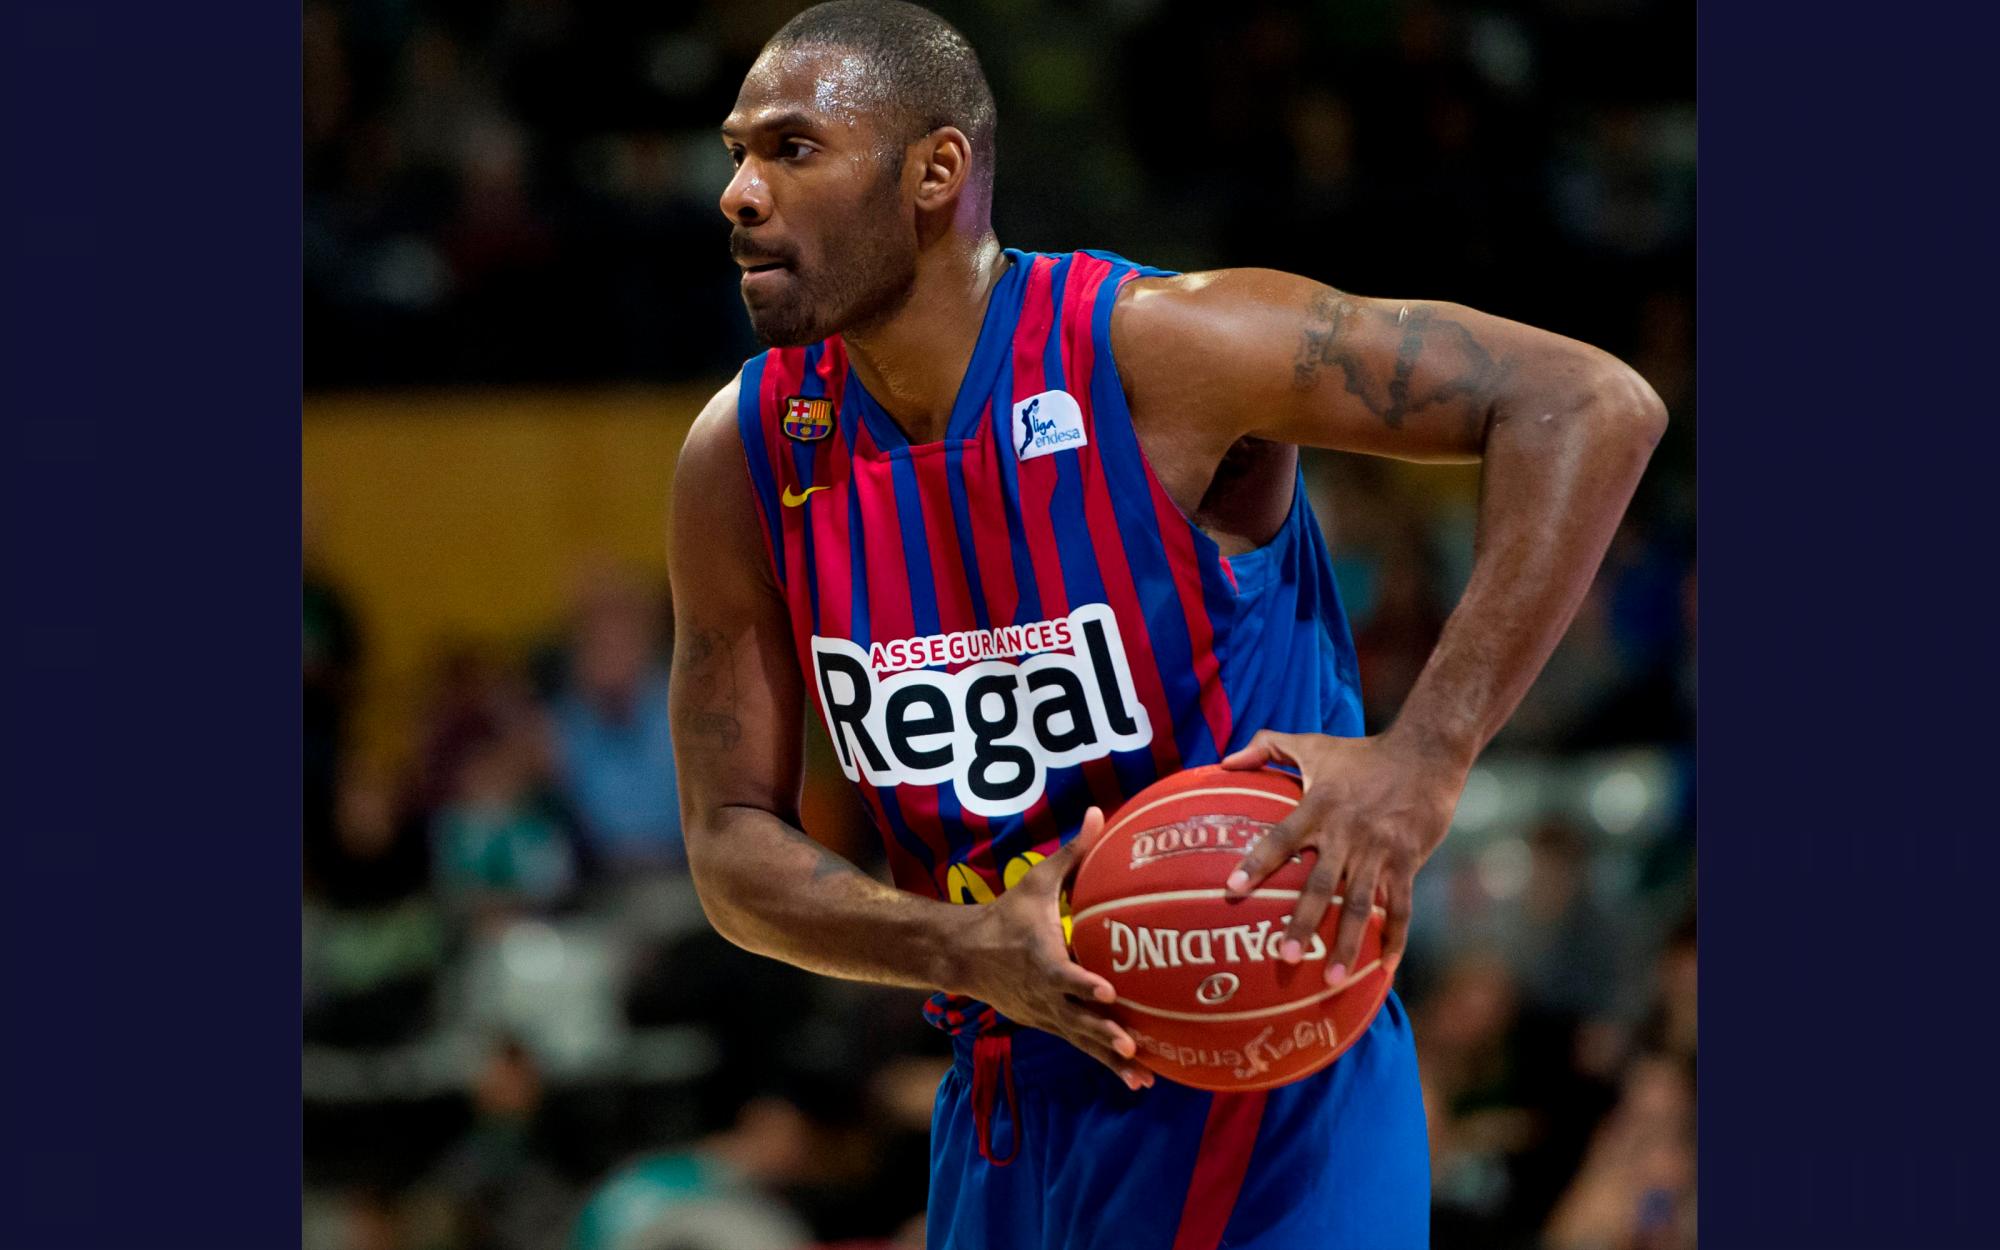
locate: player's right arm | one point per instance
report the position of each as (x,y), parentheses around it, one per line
(738,704)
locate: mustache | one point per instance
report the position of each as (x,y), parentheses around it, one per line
(742,247)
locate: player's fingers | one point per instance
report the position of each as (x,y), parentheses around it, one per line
(1269,851)
(1049,874)
(1309,909)
(1397,890)
(1075,980)
(1266,746)
(1105,1042)
(1357,903)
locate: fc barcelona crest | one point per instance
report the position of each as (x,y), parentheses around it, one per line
(807,420)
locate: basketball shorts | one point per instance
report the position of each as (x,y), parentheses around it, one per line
(1036,1146)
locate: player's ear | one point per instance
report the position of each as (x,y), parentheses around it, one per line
(945,163)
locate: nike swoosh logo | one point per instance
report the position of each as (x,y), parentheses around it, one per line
(794,499)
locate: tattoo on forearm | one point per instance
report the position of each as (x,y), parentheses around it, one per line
(1460,373)
(825,863)
(703,662)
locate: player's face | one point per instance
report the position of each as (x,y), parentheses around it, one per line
(823,228)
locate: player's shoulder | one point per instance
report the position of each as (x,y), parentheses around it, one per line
(1206,301)
(1217,319)
(713,439)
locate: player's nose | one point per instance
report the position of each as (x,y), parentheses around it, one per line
(746,201)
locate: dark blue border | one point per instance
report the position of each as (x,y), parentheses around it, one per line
(149,455)
(1847,458)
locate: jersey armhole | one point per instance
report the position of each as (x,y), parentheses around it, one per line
(757,460)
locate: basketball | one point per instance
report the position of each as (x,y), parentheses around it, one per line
(1200,985)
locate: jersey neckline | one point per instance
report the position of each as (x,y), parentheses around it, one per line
(989,351)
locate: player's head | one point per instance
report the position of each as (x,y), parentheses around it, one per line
(863,133)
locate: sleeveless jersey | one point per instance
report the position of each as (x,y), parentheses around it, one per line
(1014,623)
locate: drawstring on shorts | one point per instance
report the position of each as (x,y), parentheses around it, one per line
(993,1068)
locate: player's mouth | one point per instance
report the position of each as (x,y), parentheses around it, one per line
(763,273)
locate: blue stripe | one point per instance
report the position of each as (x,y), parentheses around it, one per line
(1084,582)
(924,613)
(961,515)
(994,348)
(906,837)
(750,425)
(1028,608)
(1052,354)
(1145,551)
(916,552)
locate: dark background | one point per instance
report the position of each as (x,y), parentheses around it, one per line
(518,1031)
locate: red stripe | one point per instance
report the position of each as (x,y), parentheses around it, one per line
(889,618)
(1086,287)
(1177,538)
(954,611)
(1036,480)
(1219,1167)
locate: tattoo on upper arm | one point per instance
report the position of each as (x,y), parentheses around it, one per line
(704,665)
(1461,374)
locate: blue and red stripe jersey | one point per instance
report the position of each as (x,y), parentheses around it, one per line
(1014,623)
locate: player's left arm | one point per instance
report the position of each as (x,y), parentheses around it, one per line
(1562,432)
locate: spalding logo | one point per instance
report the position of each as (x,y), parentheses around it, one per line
(1156,946)
(994,728)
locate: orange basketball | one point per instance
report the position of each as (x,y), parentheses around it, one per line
(1200,986)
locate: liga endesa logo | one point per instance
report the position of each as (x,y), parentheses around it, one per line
(993,728)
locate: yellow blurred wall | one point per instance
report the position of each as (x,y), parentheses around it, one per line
(469,515)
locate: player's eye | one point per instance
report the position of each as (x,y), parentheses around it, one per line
(735,155)
(792,149)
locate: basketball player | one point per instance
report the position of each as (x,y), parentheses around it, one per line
(1029,532)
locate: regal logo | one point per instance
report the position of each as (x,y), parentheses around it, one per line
(807,420)
(994,728)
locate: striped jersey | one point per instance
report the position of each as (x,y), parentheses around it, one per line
(1014,623)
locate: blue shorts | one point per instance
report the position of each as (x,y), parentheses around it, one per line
(1338,1161)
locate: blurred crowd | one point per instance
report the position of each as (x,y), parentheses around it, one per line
(520,1033)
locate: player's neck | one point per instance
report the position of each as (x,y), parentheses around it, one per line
(913,361)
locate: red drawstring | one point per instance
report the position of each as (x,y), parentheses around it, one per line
(993,1064)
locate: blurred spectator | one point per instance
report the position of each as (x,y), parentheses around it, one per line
(724,1192)
(1671,1029)
(495,1189)
(332,638)
(373,942)
(1566,950)
(1395,641)
(474,696)
(498,846)
(614,747)
(1637,1184)
(1474,1102)
(374,856)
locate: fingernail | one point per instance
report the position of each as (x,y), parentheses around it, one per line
(1131,1082)
(1104,994)
(1336,974)
(1291,952)
(1237,880)
(1126,1048)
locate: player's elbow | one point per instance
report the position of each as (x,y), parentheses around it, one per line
(717,883)
(1591,399)
(1622,405)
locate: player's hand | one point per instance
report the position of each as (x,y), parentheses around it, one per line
(1015,959)
(1374,810)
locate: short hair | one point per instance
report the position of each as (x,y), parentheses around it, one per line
(920,66)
